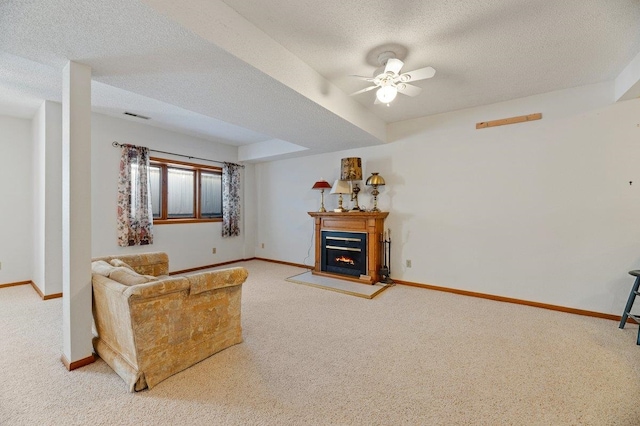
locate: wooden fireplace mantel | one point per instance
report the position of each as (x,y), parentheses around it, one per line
(370,222)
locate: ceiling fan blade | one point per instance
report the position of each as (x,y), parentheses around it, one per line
(361,77)
(366,89)
(409,89)
(394,65)
(419,74)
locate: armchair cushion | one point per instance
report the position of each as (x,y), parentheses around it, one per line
(119,262)
(128,276)
(101,267)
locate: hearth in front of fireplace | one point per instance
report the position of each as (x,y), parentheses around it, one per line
(344,253)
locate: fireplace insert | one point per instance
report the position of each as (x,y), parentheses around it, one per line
(344,253)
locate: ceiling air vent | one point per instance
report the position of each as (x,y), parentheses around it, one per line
(136,115)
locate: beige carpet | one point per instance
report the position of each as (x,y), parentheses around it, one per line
(368,291)
(409,356)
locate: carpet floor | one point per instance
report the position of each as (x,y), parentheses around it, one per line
(409,356)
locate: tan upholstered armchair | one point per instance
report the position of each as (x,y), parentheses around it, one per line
(152,325)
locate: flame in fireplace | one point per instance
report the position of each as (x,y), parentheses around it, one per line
(345,259)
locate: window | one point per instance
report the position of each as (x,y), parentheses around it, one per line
(184,192)
(210,194)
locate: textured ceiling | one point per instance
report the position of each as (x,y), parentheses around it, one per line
(484,51)
(274,72)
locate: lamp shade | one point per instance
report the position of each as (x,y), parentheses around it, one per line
(375,179)
(340,187)
(351,168)
(321,184)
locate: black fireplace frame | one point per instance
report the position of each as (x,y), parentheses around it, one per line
(352,243)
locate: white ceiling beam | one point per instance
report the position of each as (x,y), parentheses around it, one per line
(271,149)
(627,84)
(219,24)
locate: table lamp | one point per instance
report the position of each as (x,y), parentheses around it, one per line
(321,185)
(351,170)
(375,180)
(340,187)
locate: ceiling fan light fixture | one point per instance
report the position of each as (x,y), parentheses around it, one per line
(386,94)
(388,80)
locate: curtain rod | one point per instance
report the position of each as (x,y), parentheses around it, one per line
(119,145)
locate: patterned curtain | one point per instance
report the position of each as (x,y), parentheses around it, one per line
(230,200)
(135,217)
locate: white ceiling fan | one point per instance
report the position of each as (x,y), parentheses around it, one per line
(389,82)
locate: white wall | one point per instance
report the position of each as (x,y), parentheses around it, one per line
(25,223)
(39,136)
(16,214)
(47,198)
(188,245)
(540,211)
(249,207)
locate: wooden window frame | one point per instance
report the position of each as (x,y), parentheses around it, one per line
(164,165)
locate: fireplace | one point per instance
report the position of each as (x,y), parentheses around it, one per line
(367,227)
(344,253)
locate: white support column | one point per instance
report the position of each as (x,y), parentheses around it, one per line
(76,216)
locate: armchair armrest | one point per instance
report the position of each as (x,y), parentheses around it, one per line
(206,281)
(156,288)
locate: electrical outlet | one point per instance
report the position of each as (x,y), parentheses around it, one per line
(408,263)
(213,250)
(262,245)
